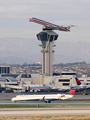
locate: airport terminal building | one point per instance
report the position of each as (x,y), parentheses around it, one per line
(65,79)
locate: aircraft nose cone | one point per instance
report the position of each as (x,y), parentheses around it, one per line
(13,99)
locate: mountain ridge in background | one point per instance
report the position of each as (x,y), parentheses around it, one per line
(26,50)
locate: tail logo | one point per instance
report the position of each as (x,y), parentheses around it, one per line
(51,83)
(78,82)
(71,92)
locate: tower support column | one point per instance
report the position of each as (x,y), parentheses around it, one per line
(47,38)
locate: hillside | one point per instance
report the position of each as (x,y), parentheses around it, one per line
(26,50)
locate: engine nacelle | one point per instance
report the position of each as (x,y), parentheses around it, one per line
(46,28)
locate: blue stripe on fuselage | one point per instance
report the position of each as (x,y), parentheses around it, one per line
(46,22)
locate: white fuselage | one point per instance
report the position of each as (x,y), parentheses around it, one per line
(44,97)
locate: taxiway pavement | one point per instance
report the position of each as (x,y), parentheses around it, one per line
(43,111)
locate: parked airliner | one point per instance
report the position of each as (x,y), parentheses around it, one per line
(80,85)
(83,84)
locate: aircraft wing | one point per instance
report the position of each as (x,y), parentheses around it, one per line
(45,100)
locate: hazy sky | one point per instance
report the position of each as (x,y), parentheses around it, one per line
(15,14)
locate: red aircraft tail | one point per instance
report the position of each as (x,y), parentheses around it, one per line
(72,92)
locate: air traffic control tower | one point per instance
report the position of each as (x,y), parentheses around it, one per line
(47,38)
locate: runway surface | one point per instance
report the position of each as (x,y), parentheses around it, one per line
(5,99)
(43,103)
(43,111)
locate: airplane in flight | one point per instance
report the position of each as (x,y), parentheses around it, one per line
(50,26)
(47,98)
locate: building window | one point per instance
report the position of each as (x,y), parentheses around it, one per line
(68,73)
(82,80)
(88,80)
(4,69)
(64,80)
(66,84)
(26,76)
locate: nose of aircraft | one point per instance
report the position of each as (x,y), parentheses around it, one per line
(13,99)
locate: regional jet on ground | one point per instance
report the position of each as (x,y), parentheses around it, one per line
(44,97)
(50,26)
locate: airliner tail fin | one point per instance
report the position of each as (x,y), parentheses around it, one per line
(19,77)
(70,26)
(72,92)
(78,81)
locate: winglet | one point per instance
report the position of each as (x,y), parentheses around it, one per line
(72,92)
